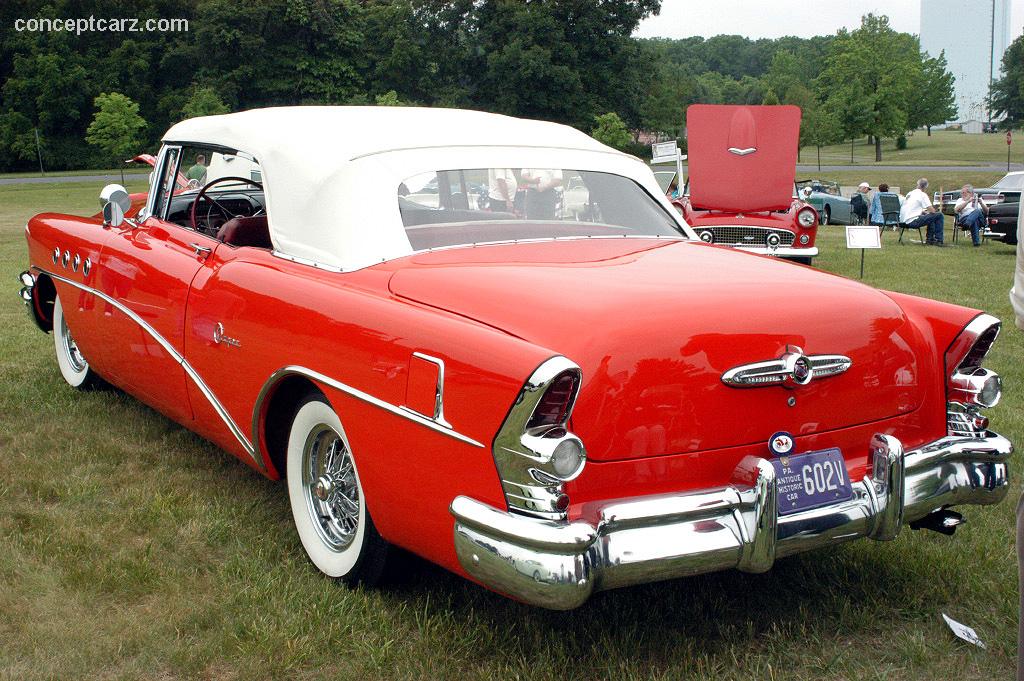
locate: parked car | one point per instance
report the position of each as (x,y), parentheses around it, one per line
(1002,221)
(742,162)
(549,407)
(824,195)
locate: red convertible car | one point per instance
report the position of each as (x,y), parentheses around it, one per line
(540,403)
(742,166)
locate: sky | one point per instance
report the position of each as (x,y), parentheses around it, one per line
(775,18)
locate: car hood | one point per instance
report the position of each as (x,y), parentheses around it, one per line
(742,158)
(654,325)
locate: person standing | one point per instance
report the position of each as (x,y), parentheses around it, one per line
(501,189)
(198,171)
(541,197)
(917,211)
(972,212)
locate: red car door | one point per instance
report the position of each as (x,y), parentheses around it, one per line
(147,270)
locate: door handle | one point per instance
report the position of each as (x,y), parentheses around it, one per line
(200,250)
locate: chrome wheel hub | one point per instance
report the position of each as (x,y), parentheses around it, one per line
(332,493)
(74,355)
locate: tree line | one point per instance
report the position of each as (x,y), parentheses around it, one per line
(559,60)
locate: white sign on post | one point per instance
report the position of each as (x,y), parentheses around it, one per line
(863,236)
(664,152)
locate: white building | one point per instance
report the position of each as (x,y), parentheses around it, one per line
(974,35)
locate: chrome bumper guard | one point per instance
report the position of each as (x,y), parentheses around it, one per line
(558,565)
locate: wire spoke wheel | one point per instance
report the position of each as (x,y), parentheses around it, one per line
(332,493)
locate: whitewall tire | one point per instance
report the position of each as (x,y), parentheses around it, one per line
(73,365)
(327,498)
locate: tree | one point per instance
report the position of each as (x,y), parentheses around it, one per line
(611,130)
(1007,95)
(117,127)
(204,102)
(770,97)
(389,98)
(934,103)
(870,76)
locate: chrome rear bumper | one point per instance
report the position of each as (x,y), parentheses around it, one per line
(559,565)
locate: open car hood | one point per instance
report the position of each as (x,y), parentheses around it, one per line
(742,159)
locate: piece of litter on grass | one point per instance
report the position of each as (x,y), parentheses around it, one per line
(963,631)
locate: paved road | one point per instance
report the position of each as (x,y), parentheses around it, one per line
(51,179)
(803,168)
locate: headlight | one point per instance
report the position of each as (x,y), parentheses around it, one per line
(806,217)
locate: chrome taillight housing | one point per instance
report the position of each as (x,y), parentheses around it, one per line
(969,386)
(534,451)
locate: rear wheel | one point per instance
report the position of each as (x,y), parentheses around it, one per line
(327,499)
(72,363)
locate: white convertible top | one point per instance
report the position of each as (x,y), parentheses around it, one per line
(331,173)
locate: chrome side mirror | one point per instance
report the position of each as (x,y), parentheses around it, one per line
(115,202)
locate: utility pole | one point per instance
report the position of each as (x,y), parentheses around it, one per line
(991,63)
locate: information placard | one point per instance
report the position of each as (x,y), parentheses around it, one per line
(863,236)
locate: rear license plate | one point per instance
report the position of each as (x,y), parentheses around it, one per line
(811,480)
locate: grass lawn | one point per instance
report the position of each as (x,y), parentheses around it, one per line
(132,549)
(944,147)
(131,170)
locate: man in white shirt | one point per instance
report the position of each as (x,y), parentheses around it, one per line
(501,189)
(541,197)
(972,212)
(918,211)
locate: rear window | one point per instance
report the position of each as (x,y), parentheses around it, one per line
(481,205)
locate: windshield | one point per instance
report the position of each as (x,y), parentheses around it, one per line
(481,205)
(1013,181)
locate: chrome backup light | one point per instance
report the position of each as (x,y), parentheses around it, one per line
(969,386)
(534,452)
(806,217)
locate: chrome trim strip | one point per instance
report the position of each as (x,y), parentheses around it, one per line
(783,371)
(352,392)
(305,261)
(177,357)
(438,415)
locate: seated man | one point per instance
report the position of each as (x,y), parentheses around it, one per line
(859,204)
(972,212)
(917,211)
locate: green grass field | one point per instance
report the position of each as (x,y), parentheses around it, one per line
(944,147)
(132,549)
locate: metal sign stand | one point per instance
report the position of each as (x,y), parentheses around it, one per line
(863,237)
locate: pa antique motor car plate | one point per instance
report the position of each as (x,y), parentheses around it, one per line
(811,480)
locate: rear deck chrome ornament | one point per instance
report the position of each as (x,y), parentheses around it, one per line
(792,369)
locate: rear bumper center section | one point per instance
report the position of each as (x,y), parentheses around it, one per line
(558,565)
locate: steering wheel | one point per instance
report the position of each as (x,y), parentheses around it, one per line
(228,215)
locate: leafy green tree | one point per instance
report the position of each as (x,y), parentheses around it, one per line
(1007,95)
(117,127)
(204,102)
(389,98)
(611,130)
(770,97)
(934,102)
(870,77)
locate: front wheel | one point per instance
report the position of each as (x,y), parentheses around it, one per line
(327,499)
(826,216)
(74,368)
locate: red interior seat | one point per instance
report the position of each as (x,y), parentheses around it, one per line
(246,231)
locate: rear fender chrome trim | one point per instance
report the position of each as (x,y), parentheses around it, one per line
(318,377)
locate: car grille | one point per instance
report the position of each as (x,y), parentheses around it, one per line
(745,236)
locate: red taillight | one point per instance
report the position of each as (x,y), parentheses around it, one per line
(553,408)
(978,351)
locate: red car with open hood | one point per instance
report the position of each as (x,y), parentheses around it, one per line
(549,405)
(742,168)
